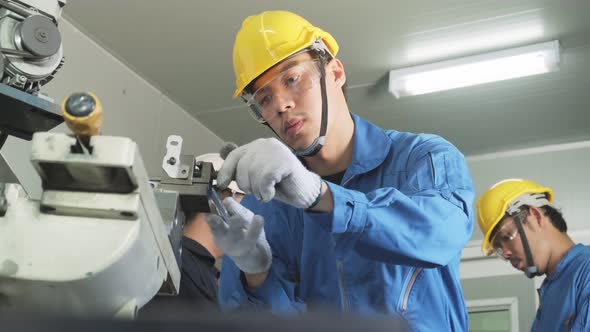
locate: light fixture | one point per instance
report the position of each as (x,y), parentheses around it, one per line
(472,70)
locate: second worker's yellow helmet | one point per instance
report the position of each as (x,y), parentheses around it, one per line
(494,202)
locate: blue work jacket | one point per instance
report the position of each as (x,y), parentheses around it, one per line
(392,245)
(564,294)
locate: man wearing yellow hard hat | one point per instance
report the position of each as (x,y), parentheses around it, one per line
(341,214)
(521,226)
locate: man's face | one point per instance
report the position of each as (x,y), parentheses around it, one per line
(289,96)
(507,244)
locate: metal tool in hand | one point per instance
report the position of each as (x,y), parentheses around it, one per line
(216,205)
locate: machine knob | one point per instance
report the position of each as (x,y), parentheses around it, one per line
(83,114)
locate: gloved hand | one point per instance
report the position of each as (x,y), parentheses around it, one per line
(266,168)
(243,240)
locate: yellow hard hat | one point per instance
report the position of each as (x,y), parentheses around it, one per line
(269,38)
(494,202)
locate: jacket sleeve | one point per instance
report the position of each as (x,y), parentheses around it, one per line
(582,288)
(424,223)
(278,293)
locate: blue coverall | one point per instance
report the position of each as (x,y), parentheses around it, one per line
(565,293)
(392,245)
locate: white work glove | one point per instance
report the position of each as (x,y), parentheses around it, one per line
(243,239)
(267,169)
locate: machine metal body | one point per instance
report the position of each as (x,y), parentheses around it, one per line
(31,53)
(183,189)
(95,244)
(102,240)
(191,180)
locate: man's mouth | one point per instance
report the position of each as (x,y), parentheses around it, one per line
(292,127)
(516,264)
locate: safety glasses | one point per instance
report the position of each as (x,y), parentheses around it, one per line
(504,237)
(291,83)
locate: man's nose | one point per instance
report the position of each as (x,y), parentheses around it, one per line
(506,252)
(284,102)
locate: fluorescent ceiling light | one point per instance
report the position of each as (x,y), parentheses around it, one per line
(473,70)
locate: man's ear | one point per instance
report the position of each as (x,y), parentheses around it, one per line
(537,217)
(335,72)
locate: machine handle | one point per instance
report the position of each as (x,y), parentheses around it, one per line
(83,113)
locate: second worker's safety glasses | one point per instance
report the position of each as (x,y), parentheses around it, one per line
(505,235)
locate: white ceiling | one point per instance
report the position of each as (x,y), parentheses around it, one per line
(184,48)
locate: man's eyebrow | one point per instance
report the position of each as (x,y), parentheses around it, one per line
(286,66)
(289,65)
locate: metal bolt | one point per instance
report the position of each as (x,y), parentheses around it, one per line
(41,35)
(172,161)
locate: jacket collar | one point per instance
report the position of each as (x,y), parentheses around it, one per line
(566,260)
(371,145)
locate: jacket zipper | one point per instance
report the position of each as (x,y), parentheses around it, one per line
(347,180)
(409,288)
(340,267)
(342,286)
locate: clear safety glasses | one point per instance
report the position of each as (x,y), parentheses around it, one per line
(505,235)
(290,84)
(502,240)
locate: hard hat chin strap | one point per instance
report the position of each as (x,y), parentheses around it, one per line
(527,199)
(319,142)
(324,53)
(530,270)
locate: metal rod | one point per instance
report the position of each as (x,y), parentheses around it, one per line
(24,54)
(16,9)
